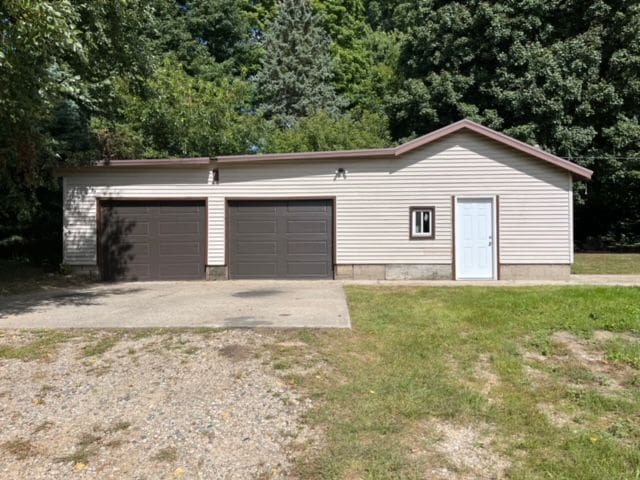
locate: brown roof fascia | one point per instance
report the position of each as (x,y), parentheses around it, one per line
(138,163)
(325,155)
(155,162)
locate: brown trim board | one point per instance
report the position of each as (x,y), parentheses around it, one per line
(453,237)
(498,237)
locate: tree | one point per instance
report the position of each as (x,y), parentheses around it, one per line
(296,73)
(208,37)
(180,115)
(320,131)
(57,59)
(561,74)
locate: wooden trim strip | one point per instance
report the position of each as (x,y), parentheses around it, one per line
(453,237)
(498,273)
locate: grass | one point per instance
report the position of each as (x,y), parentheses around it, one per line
(20,448)
(85,448)
(44,344)
(606,263)
(102,345)
(20,277)
(412,361)
(167,454)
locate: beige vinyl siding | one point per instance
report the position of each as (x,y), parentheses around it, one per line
(372,213)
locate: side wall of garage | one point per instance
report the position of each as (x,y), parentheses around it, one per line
(372,203)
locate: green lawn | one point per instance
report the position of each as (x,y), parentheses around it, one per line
(472,382)
(606,263)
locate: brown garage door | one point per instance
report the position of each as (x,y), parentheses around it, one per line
(152,240)
(281,239)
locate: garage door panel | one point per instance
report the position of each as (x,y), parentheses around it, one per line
(308,248)
(180,210)
(260,209)
(140,271)
(257,248)
(307,206)
(139,250)
(125,209)
(136,227)
(256,226)
(178,228)
(307,226)
(180,249)
(152,240)
(180,271)
(252,269)
(307,269)
(280,239)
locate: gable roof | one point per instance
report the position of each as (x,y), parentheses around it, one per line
(407,147)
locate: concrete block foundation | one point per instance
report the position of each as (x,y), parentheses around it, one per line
(368,272)
(90,271)
(393,272)
(216,272)
(418,272)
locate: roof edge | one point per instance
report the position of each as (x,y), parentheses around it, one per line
(364,154)
(136,163)
(321,155)
(499,137)
(464,124)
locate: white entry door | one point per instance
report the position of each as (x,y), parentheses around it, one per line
(474,238)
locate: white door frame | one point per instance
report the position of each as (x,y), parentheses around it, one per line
(494,231)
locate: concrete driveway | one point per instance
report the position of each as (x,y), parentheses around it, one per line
(255,303)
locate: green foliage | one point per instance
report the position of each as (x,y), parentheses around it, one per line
(180,115)
(57,60)
(296,71)
(320,131)
(209,36)
(140,78)
(560,74)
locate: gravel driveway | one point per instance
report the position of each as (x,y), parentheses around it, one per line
(145,406)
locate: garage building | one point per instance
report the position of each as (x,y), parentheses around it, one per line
(462,202)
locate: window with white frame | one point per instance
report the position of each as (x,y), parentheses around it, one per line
(422,223)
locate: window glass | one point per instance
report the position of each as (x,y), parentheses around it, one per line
(422,222)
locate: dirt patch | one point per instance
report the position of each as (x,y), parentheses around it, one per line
(236,352)
(579,366)
(461,452)
(582,362)
(604,336)
(481,378)
(160,403)
(486,376)
(555,416)
(606,375)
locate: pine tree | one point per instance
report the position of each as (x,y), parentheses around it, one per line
(295,78)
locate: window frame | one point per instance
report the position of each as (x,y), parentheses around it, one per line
(422,236)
